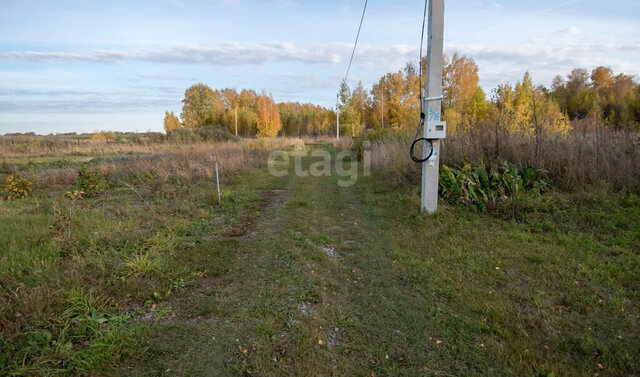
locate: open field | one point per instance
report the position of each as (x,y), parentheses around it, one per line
(298,276)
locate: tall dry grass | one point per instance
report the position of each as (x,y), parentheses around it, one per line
(16,147)
(163,162)
(344,143)
(582,158)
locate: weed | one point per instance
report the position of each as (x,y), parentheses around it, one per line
(89,181)
(16,187)
(142,265)
(487,188)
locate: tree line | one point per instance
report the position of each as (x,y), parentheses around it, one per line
(599,97)
(254,114)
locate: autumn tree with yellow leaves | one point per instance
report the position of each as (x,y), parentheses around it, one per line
(171,122)
(267,117)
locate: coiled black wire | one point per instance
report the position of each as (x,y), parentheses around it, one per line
(418,140)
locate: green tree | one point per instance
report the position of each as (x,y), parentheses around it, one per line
(201,106)
(361,103)
(477,108)
(350,122)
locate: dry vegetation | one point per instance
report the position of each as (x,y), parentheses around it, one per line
(580,159)
(165,162)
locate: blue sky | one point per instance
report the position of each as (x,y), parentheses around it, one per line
(83,65)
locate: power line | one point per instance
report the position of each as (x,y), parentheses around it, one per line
(424,21)
(513,20)
(356,43)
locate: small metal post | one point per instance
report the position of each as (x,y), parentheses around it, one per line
(382,102)
(513,199)
(337,116)
(218,183)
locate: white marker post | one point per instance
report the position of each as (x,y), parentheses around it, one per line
(218,183)
(337,116)
(434,128)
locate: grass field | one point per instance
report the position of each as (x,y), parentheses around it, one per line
(299,276)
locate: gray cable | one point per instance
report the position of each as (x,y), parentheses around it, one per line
(357,37)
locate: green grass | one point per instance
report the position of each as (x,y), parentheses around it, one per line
(248,287)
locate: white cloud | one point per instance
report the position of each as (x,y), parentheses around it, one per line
(501,62)
(227,54)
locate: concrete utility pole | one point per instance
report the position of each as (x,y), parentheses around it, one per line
(236,112)
(434,128)
(338,116)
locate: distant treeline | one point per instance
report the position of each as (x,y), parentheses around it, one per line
(255,114)
(598,97)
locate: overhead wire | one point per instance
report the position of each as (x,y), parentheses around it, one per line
(416,140)
(498,25)
(356,42)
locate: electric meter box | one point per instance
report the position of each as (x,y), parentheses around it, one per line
(436,130)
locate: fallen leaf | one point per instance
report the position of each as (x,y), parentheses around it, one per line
(320,342)
(386,357)
(438,341)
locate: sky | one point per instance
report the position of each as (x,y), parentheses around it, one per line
(84,65)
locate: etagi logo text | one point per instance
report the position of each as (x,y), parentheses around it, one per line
(343,165)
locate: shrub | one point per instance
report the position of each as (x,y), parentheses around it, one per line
(89,181)
(16,187)
(183,135)
(104,135)
(216,133)
(155,137)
